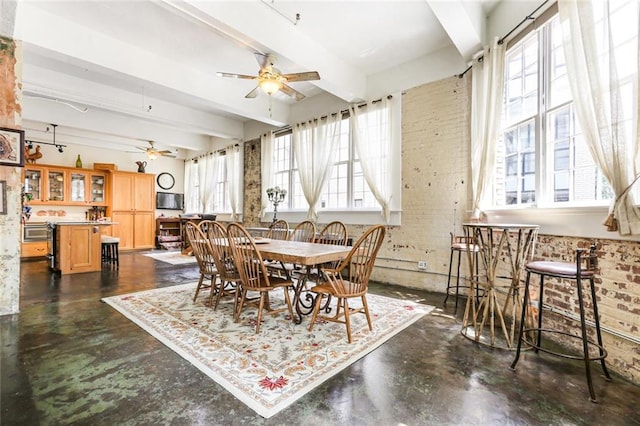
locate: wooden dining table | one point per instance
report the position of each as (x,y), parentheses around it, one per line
(305,254)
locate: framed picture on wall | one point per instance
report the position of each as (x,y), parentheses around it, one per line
(3,197)
(11,147)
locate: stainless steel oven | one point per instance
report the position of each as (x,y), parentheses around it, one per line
(34,232)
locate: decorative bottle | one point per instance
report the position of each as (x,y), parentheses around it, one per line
(79,162)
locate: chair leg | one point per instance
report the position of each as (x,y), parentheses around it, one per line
(455,308)
(288,300)
(585,343)
(525,303)
(598,332)
(347,318)
(366,311)
(199,286)
(316,310)
(260,308)
(540,299)
(449,278)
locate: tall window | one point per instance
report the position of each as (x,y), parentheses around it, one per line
(542,158)
(346,187)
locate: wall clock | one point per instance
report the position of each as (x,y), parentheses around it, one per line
(165,180)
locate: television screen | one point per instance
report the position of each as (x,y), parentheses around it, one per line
(169,201)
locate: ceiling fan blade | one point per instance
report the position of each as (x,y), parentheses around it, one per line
(168,155)
(288,90)
(302,76)
(232,75)
(253,93)
(142,148)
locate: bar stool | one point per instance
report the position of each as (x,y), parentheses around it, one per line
(572,271)
(110,250)
(460,245)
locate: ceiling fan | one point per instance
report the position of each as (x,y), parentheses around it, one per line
(153,153)
(270,79)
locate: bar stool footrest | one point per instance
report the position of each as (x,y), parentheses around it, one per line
(562,355)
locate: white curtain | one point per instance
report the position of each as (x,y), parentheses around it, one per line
(487,89)
(371,131)
(191,195)
(208,167)
(314,145)
(593,66)
(266,151)
(234,179)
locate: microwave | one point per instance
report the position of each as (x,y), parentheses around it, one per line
(34,232)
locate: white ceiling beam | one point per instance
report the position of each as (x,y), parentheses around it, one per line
(67,38)
(259,28)
(463,22)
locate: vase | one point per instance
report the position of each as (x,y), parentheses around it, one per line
(79,162)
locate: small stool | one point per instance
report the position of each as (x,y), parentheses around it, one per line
(573,271)
(110,250)
(461,245)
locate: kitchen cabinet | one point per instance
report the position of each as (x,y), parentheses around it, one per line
(55,185)
(78,248)
(34,249)
(131,208)
(87,187)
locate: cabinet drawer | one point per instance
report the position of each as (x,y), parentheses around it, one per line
(34,249)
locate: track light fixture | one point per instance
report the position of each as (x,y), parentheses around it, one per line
(57,145)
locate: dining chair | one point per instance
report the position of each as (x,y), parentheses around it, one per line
(356,267)
(333,233)
(279,230)
(202,252)
(253,274)
(227,271)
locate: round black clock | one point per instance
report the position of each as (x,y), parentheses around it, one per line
(166,180)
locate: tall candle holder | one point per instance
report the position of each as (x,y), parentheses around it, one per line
(276,196)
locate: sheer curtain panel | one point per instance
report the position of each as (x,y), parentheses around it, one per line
(234,179)
(600,41)
(487,85)
(314,145)
(371,130)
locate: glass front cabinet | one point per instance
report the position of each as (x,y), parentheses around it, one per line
(33,184)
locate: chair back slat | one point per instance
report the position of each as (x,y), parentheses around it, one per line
(217,236)
(304,231)
(279,230)
(333,233)
(247,258)
(360,262)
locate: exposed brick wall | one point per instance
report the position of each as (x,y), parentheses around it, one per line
(436,199)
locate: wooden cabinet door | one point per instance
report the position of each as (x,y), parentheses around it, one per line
(34,178)
(123,229)
(122,188)
(79,249)
(79,187)
(144,192)
(143,230)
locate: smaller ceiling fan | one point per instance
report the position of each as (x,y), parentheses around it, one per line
(153,153)
(270,79)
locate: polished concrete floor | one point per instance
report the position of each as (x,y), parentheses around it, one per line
(67,358)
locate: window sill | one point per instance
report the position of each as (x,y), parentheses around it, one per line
(583,222)
(348,217)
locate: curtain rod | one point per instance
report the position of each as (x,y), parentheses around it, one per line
(344,111)
(221,150)
(529,17)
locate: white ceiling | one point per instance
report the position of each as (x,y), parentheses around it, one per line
(147,69)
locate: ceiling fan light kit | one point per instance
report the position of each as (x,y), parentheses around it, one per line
(271,80)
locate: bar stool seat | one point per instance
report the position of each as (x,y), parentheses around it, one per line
(584,267)
(110,250)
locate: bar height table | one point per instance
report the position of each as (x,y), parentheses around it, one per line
(513,244)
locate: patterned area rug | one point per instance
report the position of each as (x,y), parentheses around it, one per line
(173,257)
(271,370)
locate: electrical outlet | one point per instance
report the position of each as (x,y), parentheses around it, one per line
(422,264)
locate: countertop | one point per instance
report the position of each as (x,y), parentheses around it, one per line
(85,222)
